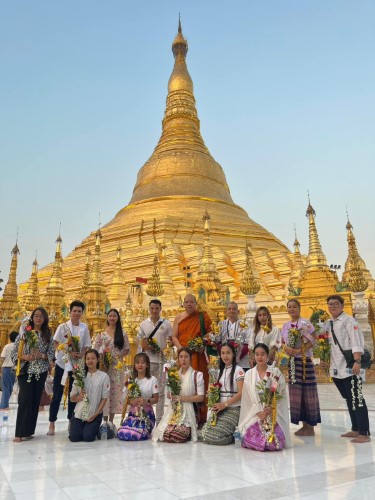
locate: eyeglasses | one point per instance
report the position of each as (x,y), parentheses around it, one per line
(334,304)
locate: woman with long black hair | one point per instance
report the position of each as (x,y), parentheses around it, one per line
(231,378)
(32,353)
(88,412)
(113,345)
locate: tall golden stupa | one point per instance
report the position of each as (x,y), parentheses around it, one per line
(180,202)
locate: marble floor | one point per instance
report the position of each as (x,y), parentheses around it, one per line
(324,467)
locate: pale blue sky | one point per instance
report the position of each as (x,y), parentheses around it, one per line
(285,95)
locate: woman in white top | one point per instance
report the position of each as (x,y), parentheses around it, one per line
(262,426)
(88,416)
(192,393)
(231,378)
(266,333)
(140,421)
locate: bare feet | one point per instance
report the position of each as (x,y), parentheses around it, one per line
(5,409)
(350,434)
(17,440)
(361,439)
(305,430)
(51,429)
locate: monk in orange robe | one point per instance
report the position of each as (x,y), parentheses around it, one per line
(187,326)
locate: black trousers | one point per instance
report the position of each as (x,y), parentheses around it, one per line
(358,416)
(84,431)
(58,391)
(28,404)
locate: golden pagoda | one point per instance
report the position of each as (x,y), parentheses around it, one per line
(117,291)
(54,299)
(154,287)
(298,266)
(31,299)
(318,281)
(96,295)
(356,274)
(86,276)
(176,185)
(9,305)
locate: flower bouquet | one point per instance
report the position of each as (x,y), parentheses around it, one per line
(213,368)
(322,350)
(213,396)
(173,383)
(134,392)
(30,338)
(79,375)
(294,338)
(196,345)
(268,396)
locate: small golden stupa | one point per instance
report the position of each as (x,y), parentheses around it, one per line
(178,185)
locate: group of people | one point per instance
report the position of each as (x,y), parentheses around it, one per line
(251,396)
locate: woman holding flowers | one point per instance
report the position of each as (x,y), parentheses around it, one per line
(223,416)
(32,353)
(264,422)
(299,339)
(185,389)
(113,345)
(90,391)
(266,333)
(143,392)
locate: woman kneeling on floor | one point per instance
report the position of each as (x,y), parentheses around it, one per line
(192,393)
(264,418)
(231,378)
(88,413)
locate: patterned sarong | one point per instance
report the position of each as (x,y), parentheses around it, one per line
(222,433)
(303,395)
(255,439)
(136,427)
(177,434)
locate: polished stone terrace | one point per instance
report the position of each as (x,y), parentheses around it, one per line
(324,467)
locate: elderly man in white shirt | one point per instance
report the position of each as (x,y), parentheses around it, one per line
(158,330)
(344,332)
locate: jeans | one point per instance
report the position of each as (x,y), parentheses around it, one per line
(9,377)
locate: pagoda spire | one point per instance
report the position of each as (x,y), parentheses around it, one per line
(32,298)
(86,276)
(54,299)
(298,264)
(249,284)
(181,152)
(96,293)
(356,274)
(9,305)
(117,290)
(155,288)
(208,276)
(315,257)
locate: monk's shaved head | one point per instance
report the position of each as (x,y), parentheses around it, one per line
(190,296)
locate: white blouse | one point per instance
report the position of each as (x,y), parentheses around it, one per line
(271,339)
(148,386)
(226,391)
(97,387)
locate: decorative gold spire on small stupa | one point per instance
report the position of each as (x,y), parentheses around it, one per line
(165,277)
(117,289)
(54,300)
(32,298)
(154,287)
(86,276)
(355,274)
(9,305)
(208,282)
(249,284)
(315,257)
(96,295)
(298,264)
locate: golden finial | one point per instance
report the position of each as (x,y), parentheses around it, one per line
(249,284)
(54,299)
(32,298)
(117,289)
(315,257)
(154,287)
(355,268)
(9,305)
(207,276)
